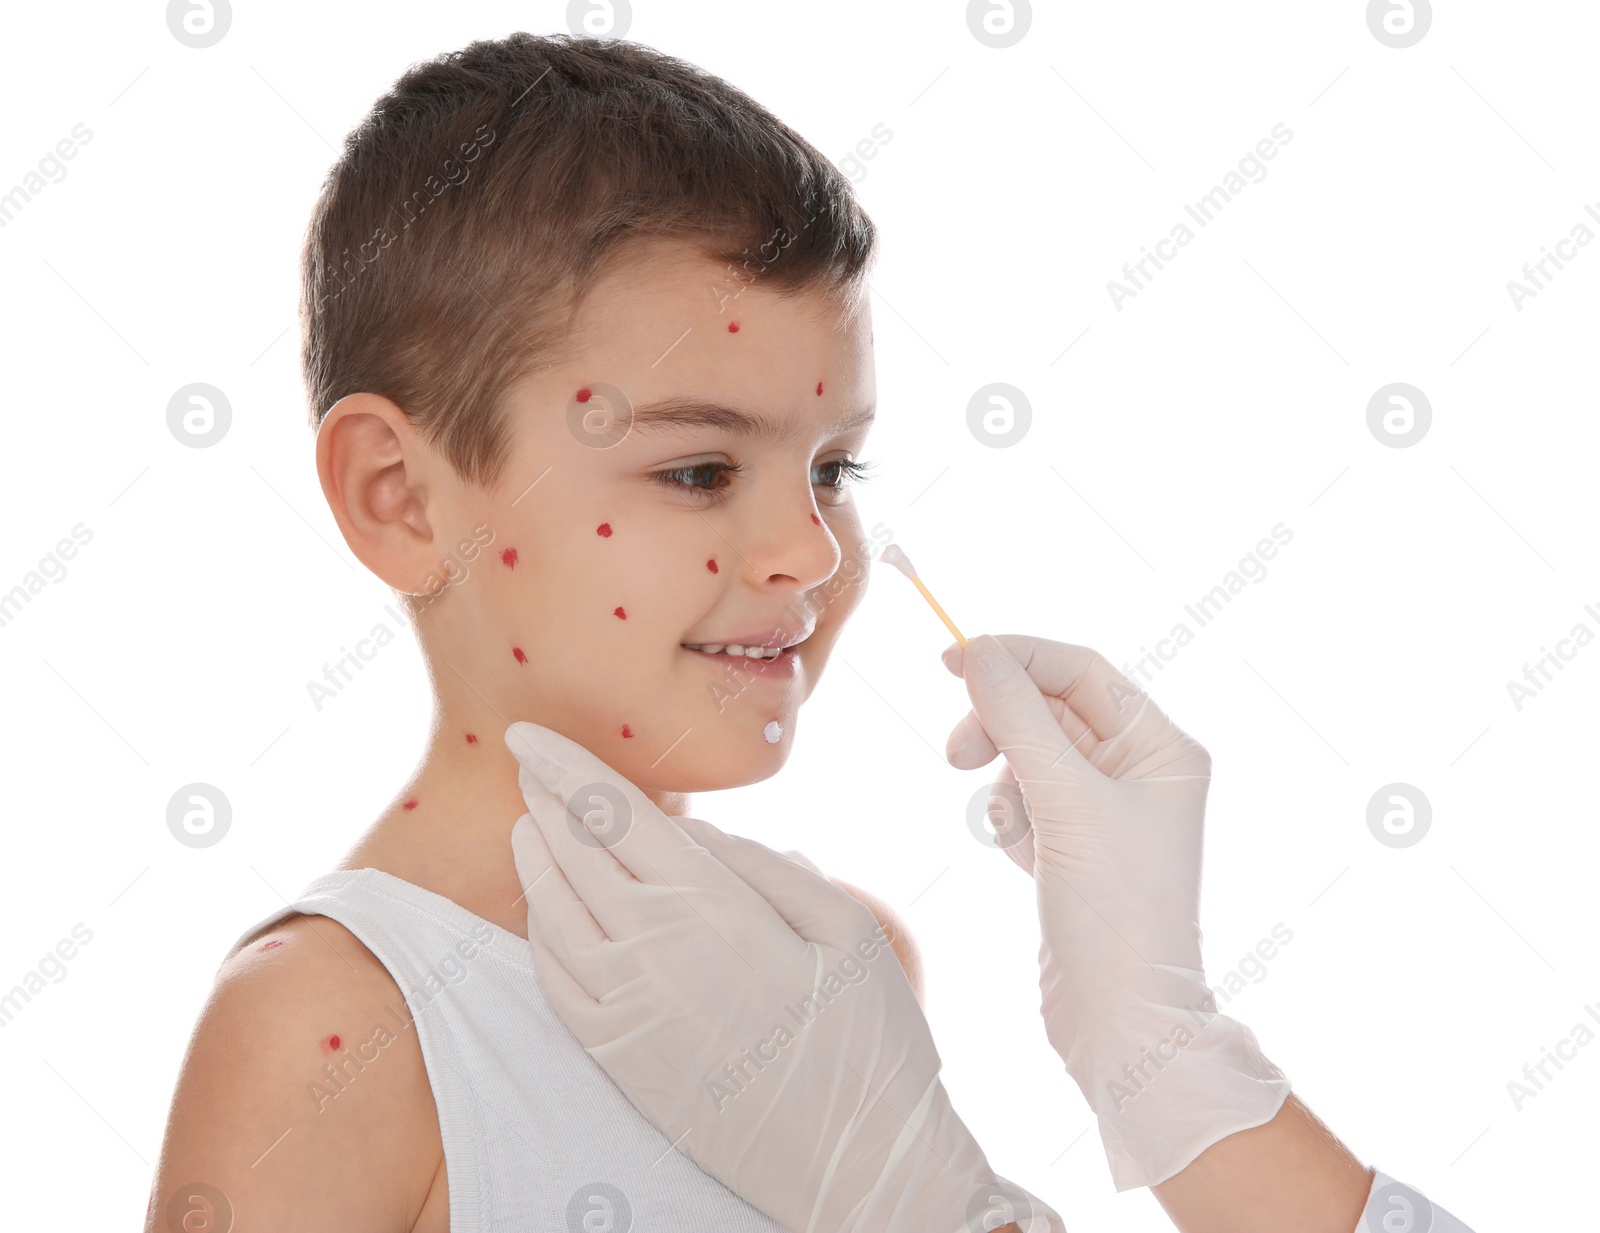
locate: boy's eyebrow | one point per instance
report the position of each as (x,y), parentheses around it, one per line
(688,411)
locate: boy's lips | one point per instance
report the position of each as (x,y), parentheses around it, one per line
(772,636)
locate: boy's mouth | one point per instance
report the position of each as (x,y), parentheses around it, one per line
(770,654)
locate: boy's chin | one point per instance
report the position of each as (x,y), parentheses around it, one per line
(717,770)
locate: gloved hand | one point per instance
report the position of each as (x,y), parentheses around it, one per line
(753,1012)
(1115,795)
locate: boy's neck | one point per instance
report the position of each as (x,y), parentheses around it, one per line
(455,840)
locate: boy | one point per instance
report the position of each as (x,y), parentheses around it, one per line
(586,342)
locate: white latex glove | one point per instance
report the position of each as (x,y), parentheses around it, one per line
(1115,795)
(683,960)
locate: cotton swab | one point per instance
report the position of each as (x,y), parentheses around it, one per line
(894,555)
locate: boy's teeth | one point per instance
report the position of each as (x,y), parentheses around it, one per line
(754,652)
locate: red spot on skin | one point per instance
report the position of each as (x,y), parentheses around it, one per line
(733,327)
(583,394)
(411,804)
(816,520)
(712,565)
(603,529)
(619,613)
(508,558)
(272,945)
(626,731)
(333,1042)
(819,388)
(520,657)
(471,739)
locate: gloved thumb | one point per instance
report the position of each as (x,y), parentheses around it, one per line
(1013,714)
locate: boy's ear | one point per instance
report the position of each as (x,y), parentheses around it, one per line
(377,477)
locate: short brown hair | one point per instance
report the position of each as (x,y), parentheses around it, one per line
(440,292)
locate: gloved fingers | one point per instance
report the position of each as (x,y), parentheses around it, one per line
(1013,832)
(1012,711)
(659,854)
(804,860)
(969,746)
(559,922)
(1080,676)
(575,1005)
(579,837)
(813,908)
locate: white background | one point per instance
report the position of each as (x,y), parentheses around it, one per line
(1228,396)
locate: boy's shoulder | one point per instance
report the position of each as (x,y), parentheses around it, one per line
(303,1097)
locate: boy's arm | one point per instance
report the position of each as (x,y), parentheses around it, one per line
(258,1119)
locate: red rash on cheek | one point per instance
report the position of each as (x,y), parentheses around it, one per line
(816,520)
(603,529)
(471,739)
(733,327)
(819,388)
(712,565)
(508,558)
(411,804)
(517,654)
(619,614)
(626,731)
(583,394)
(273,945)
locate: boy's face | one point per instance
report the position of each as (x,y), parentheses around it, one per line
(600,570)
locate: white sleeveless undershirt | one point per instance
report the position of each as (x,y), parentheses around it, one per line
(536,1135)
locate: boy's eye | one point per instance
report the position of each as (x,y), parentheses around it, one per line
(714,478)
(848,471)
(690,478)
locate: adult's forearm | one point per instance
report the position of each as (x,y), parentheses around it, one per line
(1289,1173)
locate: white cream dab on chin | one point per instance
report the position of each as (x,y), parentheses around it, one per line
(772,732)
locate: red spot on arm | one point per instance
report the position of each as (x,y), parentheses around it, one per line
(816,520)
(411,804)
(819,387)
(626,731)
(333,1042)
(712,565)
(583,394)
(516,652)
(508,558)
(272,945)
(733,327)
(603,529)
(619,613)
(472,739)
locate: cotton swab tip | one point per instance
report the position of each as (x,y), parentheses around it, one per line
(895,555)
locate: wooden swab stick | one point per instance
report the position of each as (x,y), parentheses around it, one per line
(894,555)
